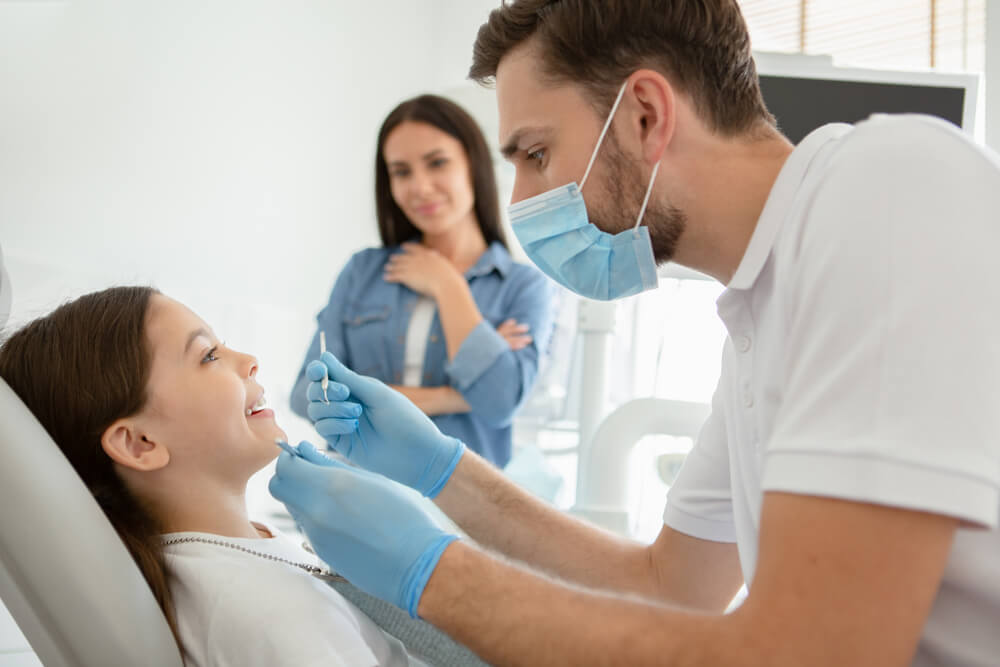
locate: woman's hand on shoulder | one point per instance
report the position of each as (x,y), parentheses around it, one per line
(421,269)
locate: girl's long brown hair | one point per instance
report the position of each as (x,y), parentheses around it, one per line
(78,370)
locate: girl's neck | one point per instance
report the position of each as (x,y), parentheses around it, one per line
(212,511)
(462,245)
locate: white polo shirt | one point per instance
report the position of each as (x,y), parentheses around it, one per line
(863,357)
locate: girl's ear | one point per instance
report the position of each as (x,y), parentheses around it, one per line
(129,446)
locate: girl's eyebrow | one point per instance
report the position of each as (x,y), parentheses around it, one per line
(200,331)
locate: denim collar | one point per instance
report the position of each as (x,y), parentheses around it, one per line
(496,258)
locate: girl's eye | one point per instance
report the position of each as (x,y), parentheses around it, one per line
(439,162)
(210,355)
(399,173)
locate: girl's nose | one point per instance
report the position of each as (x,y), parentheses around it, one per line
(249,365)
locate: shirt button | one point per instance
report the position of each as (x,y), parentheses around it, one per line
(399,377)
(747,397)
(434,338)
(743,343)
(427,377)
(400,340)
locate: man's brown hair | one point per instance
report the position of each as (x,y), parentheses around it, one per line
(701,46)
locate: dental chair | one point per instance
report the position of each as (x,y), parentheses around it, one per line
(73,588)
(65,575)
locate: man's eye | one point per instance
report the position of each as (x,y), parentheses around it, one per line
(210,355)
(537,155)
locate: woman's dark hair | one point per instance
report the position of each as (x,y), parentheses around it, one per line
(79,369)
(393,225)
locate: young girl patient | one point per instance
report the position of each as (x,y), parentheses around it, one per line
(165,425)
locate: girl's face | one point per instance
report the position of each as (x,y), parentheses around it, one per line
(204,404)
(429,177)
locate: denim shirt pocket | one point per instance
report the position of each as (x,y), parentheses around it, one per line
(366,330)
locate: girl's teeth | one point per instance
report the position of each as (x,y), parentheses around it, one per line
(259,405)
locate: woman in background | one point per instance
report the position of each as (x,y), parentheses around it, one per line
(440,312)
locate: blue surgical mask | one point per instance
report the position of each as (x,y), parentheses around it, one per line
(555,232)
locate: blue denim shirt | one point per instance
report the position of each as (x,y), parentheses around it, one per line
(366,322)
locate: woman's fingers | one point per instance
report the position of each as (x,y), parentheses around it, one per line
(518,342)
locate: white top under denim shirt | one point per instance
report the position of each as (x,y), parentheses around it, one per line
(366,323)
(418,332)
(863,358)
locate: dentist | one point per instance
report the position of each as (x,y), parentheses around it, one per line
(850,471)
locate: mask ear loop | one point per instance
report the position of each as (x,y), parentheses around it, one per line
(600,140)
(645,200)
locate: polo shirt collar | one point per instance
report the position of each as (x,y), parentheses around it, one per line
(780,201)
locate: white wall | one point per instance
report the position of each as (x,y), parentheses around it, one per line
(993,74)
(221,151)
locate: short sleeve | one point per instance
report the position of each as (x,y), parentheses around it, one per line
(892,384)
(700,502)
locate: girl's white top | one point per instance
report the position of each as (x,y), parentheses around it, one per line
(240,610)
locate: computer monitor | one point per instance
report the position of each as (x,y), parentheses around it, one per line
(805,92)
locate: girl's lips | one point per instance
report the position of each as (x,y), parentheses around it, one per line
(428,209)
(266,412)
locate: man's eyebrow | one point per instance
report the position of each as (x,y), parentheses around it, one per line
(193,335)
(510,148)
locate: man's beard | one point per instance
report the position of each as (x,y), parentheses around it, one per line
(624,190)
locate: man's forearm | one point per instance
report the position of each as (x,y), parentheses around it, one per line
(512,617)
(501,516)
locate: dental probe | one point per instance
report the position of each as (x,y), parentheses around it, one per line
(284,445)
(325,382)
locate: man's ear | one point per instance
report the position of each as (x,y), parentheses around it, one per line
(130,446)
(656,112)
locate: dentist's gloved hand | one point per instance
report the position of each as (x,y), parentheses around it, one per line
(362,525)
(379,429)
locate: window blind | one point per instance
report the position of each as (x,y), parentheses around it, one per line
(887,34)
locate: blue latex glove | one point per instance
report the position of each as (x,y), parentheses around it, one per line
(362,525)
(379,429)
